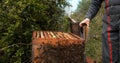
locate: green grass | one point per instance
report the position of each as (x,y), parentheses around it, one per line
(94,43)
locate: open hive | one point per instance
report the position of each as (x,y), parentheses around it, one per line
(57,47)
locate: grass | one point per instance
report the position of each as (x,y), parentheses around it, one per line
(94,43)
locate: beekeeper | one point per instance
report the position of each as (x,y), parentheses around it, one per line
(110,28)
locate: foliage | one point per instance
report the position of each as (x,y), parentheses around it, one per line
(81,10)
(93,46)
(19,18)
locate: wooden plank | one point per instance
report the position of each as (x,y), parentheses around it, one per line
(45,34)
(37,33)
(52,35)
(42,35)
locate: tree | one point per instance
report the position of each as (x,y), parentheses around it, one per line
(82,8)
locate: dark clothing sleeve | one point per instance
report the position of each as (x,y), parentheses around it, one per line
(93,9)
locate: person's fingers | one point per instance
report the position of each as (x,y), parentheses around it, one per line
(86,21)
(81,23)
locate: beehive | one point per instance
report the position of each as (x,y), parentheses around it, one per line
(57,47)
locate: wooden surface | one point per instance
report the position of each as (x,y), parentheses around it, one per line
(57,47)
(54,37)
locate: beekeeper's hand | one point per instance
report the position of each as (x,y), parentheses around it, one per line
(85,21)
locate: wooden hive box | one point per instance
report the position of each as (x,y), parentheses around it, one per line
(57,47)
